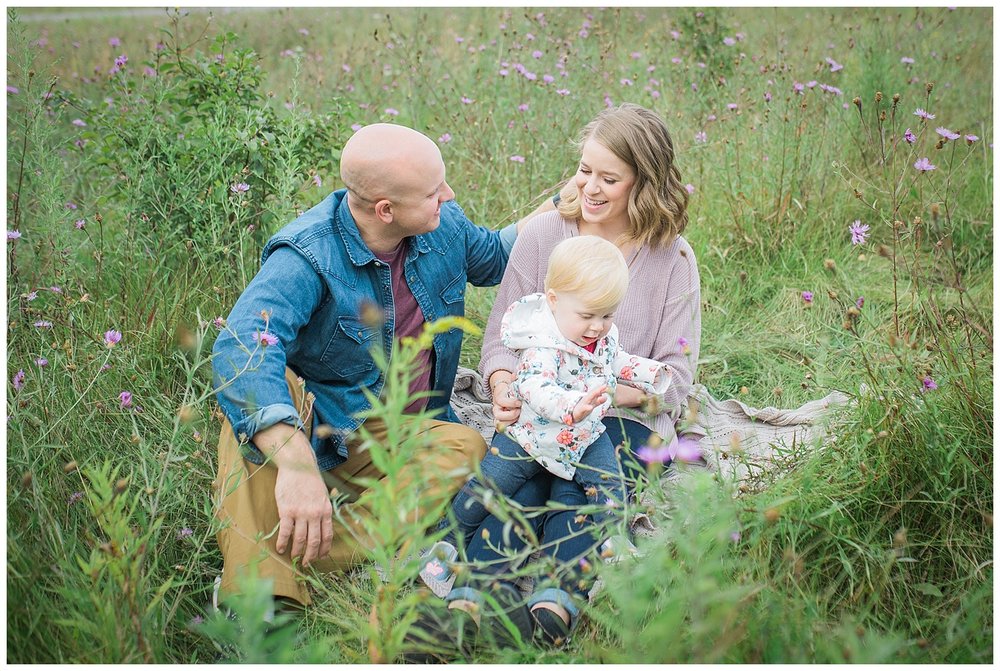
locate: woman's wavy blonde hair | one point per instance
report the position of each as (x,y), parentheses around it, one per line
(657,205)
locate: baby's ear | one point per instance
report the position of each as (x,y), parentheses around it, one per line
(551,298)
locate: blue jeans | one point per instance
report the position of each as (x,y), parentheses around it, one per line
(565,537)
(507,467)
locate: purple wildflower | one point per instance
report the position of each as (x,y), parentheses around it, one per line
(75,497)
(686,450)
(219,323)
(922,114)
(767,96)
(859,232)
(445,139)
(391,111)
(18,380)
(196,620)
(929,384)
(41,362)
(240,187)
(689,188)
(517,158)
(112,338)
(79,123)
(466,100)
(834,65)
(43,324)
(860,303)
(807,296)
(944,132)
(80,224)
(906,60)
(971,138)
(125,398)
(909,136)
(13,90)
(186,532)
(30,296)
(728,41)
(114,42)
(924,164)
(537,54)
(700,137)
(523,107)
(735,536)
(654,455)
(266,339)
(13,235)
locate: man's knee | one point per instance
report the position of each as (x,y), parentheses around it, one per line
(463,444)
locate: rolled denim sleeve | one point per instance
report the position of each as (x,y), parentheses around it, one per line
(250,354)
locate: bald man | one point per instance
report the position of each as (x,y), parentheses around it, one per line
(295,356)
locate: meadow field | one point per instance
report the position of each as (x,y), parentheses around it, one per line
(840,166)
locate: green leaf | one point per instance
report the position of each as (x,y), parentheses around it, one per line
(928,589)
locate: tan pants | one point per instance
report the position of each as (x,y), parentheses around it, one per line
(245,504)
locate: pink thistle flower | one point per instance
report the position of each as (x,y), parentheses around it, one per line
(971,138)
(41,362)
(654,455)
(265,339)
(125,398)
(186,532)
(834,65)
(18,380)
(909,136)
(859,232)
(944,132)
(467,100)
(13,90)
(562,92)
(43,324)
(317,180)
(239,187)
(929,384)
(700,137)
(30,296)
(516,158)
(80,224)
(548,79)
(537,54)
(732,106)
(676,60)
(922,114)
(114,42)
(219,323)
(686,450)
(807,296)
(689,188)
(860,303)
(13,235)
(924,165)
(391,111)
(445,139)
(728,41)
(112,338)
(674,35)
(523,107)
(75,497)
(767,96)
(80,123)
(906,60)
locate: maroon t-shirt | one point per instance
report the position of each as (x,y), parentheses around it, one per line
(409,321)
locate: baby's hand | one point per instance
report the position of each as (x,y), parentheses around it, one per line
(590,400)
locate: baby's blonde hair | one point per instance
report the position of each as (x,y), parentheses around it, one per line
(590,268)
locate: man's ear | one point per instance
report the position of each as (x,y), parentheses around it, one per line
(383,210)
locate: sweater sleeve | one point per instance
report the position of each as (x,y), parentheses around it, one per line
(646,374)
(678,335)
(519,279)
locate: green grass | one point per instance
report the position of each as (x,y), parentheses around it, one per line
(876,549)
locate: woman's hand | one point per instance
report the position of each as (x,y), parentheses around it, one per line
(506,408)
(629,397)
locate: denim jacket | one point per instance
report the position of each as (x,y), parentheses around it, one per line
(316,275)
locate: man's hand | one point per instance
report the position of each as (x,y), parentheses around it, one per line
(304,510)
(590,400)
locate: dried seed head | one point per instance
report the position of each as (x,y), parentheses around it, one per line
(853,312)
(185,414)
(857,102)
(744,390)
(777,391)
(70,467)
(883,434)
(935,211)
(895,98)
(121,485)
(27,479)
(899,538)
(884,252)
(832,294)
(881,116)
(771,515)
(830,264)
(878,96)
(930,86)
(743,276)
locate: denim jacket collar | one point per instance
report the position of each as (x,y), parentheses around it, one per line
(357,250)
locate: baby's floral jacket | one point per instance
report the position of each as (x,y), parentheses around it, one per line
(553,375)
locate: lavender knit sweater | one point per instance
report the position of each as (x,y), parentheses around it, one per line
(662,307)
